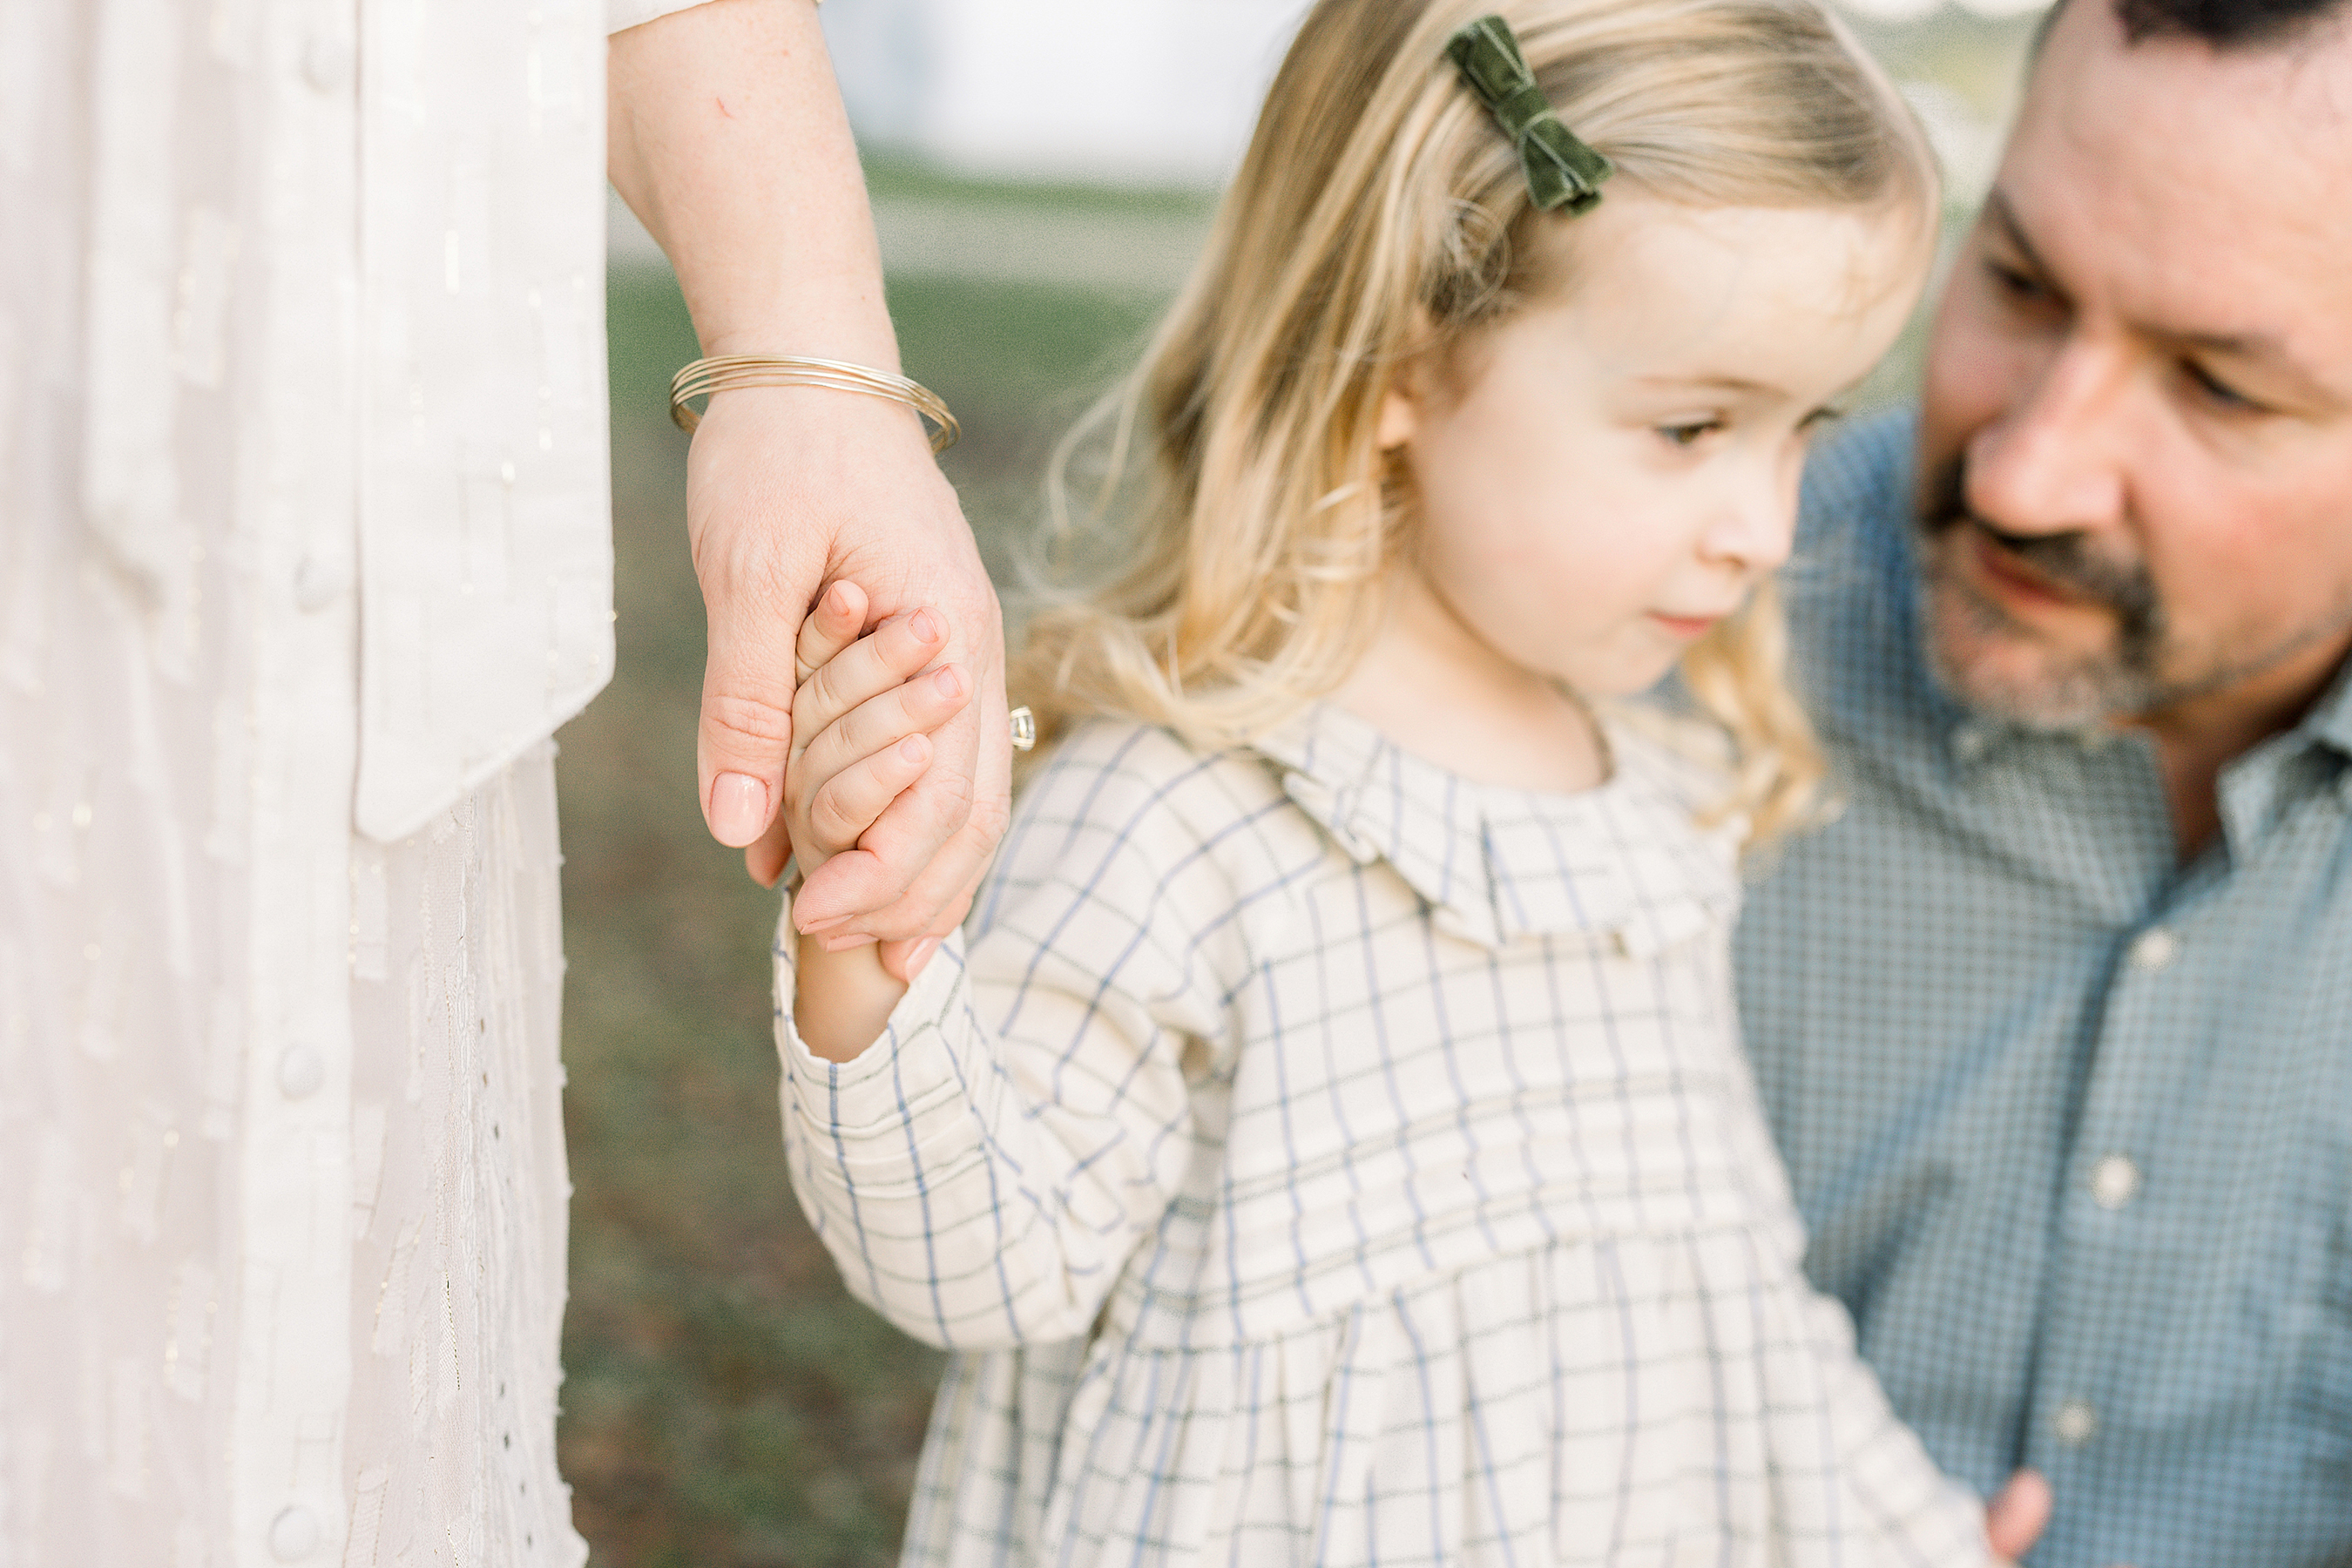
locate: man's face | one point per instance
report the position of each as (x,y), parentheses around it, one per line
(2137,434)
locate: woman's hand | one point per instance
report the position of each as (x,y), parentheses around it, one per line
(727,137)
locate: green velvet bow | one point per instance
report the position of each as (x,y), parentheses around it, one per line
(1563,172)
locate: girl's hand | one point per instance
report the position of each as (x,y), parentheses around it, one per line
(861,722)
(866,716)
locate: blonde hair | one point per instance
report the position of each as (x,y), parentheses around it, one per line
(1380,215)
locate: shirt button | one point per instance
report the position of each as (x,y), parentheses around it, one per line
(317,584)
(2076,1423)
(2115,1182)
(300,1072)
(2156,948)
(294,1534)
(326,63)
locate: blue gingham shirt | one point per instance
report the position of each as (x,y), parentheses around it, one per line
(2071,1123)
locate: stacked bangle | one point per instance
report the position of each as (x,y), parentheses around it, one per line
(731,370)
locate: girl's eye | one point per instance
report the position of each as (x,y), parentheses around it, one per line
(1689,432)
(1813,423)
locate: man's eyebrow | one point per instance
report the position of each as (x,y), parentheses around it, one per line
(2268,348)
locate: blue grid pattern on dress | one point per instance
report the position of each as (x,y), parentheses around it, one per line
(2071,1122)
(1315,1157)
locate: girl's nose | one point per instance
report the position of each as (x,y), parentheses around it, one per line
(1755,524)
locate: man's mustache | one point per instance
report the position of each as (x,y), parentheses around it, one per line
(2066,561)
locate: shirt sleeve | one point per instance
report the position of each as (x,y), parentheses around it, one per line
(985,1170)
(621,14)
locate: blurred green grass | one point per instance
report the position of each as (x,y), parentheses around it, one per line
(726,1404)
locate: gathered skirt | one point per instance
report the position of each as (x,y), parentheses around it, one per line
(1635,1400)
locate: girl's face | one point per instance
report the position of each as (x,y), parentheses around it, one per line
(1605,476)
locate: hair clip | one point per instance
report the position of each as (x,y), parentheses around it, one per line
(1561,171)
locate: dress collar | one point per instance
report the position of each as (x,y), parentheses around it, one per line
(1622,863)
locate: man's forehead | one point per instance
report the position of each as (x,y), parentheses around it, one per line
(2175,97)
(2206,187)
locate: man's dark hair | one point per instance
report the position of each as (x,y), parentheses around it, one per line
(2224,24)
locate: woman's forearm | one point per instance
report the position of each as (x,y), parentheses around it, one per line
(725,136)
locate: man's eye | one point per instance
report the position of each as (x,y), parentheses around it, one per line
(1689,432)
(2216,391)
(2021,288)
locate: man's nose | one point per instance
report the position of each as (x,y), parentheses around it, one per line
(2048,462)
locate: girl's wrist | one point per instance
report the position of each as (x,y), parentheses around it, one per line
(842,1002)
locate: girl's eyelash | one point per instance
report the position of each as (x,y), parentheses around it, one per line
(1689,431)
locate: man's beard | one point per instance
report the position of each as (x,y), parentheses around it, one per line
(2144,670)
(2060,692)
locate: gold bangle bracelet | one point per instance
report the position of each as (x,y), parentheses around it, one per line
(731,370)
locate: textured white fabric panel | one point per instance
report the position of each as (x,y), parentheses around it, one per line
(224,1016)
(458,1202)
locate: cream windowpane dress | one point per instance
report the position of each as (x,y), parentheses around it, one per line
(1314,1157)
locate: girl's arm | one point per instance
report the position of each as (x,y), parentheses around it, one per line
(862,719)
(986,1169)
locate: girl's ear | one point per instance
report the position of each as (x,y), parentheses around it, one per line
(1400,415)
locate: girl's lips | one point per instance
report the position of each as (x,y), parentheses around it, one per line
(1688,625)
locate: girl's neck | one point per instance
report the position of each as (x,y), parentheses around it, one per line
(1436,689)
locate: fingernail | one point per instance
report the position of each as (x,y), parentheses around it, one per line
(910,750)
(738,809)
(919,955)
(927,626)
(948,682)
(844,943)
(837,596)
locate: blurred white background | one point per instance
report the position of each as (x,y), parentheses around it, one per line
(983,120)
(1162,92)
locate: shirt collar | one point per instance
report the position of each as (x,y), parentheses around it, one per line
(1622,863)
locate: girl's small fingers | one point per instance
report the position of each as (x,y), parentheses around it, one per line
(844,943)
(831,624)
(848,802)
(914,707)
(870,666)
